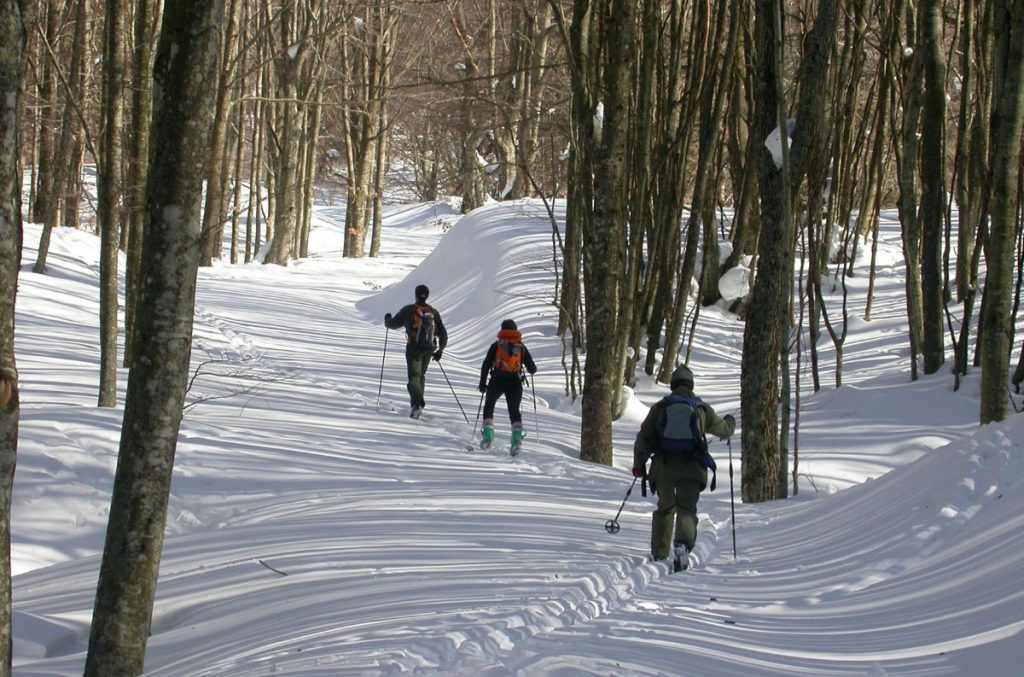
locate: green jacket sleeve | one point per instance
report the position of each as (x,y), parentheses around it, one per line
(647,441)
(715,424)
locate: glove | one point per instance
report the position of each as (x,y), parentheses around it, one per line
(639,472)
(437,356)
(387,318)
(482,387)
(730,419)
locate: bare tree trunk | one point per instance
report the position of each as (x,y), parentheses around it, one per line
(309,151)
(214,211)
(379,165)
(50,116)
(1008,121)
(110,189)
(766,331)
(907,181)
(236,186)
(286,129)
(603,246)
(61,170)
(933,190)
(146,29)
(15,17)
(769,299)
(185,62)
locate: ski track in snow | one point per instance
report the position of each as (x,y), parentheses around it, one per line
(486,638)
(315,529)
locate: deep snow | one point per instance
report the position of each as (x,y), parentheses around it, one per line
(315,529)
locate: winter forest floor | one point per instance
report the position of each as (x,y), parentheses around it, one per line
(315,529)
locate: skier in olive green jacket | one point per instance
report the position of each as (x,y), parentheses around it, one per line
(679,471)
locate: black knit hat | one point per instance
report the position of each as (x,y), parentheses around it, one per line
(682,376)
(509,324)
(422,292)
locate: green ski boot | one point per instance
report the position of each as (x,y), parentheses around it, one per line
(488,437)
(517,441)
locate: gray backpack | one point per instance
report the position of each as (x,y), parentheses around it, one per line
(684,435)
(423,328)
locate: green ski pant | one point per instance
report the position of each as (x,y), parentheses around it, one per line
(417,361)
(679,481)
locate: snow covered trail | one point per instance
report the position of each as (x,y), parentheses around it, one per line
(314,531)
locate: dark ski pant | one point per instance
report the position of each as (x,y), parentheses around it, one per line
(512,388)
(679,479)
(417,361)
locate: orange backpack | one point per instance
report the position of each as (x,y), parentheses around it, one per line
(508,358)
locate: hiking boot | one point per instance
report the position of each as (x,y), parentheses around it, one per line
(680,557)
(487,438)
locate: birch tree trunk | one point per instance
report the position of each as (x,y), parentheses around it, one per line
(185,63)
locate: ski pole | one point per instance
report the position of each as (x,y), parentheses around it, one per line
(453,392)
(612,525)
(380,386)
(533,392)
(732,497)
(479,408)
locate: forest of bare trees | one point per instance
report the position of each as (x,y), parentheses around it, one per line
(647,117)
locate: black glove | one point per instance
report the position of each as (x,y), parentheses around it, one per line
(437,356)
(482,387)
(639,472)
(387,319)
(730,419)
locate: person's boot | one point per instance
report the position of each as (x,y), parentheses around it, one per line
(680,557)
(517,440)
(487,438)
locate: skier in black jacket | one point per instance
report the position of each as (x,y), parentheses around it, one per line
(505,362)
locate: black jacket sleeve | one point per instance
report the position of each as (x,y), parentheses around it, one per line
(485,368)
(528,361)
(439,331)
(399,319)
